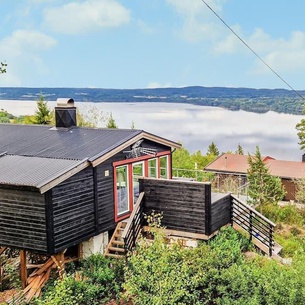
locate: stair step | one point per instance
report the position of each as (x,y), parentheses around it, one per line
(117,242)
(277,248)
(116,249)
(118,235)
(114,255)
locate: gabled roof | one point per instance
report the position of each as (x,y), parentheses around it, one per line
(36,155)
(229,163)
(238,164)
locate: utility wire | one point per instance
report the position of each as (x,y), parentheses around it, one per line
(256,54)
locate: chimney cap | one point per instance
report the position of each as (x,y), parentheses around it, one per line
(65,102)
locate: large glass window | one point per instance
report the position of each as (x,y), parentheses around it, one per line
(152,168)
(128,172)
(137,171)
(122,189)
(164,167)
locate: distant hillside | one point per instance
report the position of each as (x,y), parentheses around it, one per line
(254,100)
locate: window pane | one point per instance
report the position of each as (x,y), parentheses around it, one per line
(152,168)
(122,189)
(137,171)
(164,167)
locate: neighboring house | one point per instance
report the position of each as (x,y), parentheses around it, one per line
(237,166)
(62,185)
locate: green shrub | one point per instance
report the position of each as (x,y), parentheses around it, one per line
(158,273)
(288,214)
(97,281)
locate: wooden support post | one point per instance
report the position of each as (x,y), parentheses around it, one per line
(59,260)
(23,270)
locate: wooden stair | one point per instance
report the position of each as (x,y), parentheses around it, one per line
(115,246)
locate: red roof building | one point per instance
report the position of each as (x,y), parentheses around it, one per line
(237,165)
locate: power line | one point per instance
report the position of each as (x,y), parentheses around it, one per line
(255,53)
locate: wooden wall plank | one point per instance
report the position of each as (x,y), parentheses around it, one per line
(73,210)
(22,219)
(220,212)
(181,202)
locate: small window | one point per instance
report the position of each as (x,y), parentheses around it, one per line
(122,189)
(164,167)
(152,168)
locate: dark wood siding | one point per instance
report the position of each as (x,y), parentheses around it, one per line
(73,210)
(105,193)
(22,219)
(105,186)
(220,212)
(182,203)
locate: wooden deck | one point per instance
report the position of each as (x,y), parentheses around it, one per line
(189,210)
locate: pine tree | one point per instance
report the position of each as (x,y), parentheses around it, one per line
(43,115)
(213,150)
(263,187)
(111,122)
(300,127)
(239,150)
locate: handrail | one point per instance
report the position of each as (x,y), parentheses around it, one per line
(133,227)
(257,225)
(254,211)
(243,186)
(132,215)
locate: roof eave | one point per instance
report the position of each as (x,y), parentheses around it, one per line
(44,186)
(96,160)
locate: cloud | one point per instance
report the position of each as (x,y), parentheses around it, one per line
(22,52)
(153,85)
(25,41)
(284,55)
(287,55)
(80,17)
(198,22)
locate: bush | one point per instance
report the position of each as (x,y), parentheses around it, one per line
(159,273)
(288,214)
(98,280)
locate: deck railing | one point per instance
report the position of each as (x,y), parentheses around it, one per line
(260,229)
(134,224)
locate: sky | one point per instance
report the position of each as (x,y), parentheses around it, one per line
(128,44)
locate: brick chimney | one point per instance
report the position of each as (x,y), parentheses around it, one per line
(65,113)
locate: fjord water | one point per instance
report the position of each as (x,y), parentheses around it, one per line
(197,126)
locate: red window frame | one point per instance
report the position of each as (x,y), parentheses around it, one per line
(129,163)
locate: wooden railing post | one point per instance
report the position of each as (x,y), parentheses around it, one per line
(231,211)
(250,225)
(270,240)
(133,233)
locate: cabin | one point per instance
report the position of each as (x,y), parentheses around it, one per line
(236,166)
(67,187)
(62,185)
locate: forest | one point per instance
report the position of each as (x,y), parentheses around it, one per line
(247,99)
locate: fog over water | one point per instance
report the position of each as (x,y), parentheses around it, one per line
(197,126)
